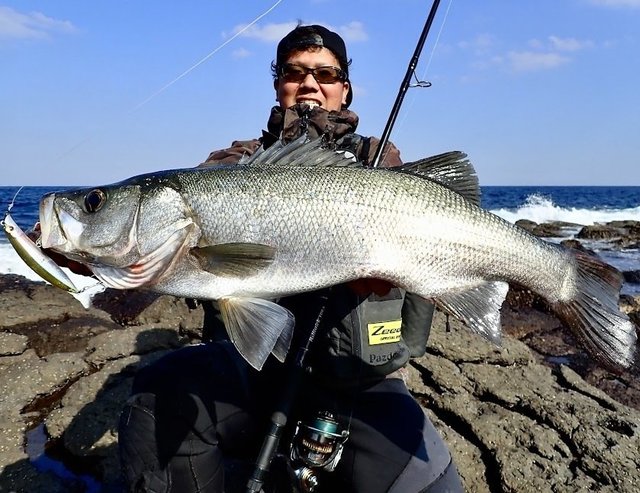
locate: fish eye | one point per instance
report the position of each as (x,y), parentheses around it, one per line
(94,200)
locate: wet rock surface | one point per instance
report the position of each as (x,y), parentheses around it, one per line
(536,414)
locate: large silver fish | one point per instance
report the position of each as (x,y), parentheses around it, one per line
(302,217)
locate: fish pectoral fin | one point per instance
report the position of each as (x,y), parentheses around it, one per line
(479,308)
(234,259)
(257,328)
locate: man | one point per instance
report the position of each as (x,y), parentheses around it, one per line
(202,409)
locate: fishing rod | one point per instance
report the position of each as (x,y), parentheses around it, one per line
(406,82)
(280,416)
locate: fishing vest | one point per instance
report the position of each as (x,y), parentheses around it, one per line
(360,339)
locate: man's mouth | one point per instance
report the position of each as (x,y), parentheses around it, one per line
(310,103)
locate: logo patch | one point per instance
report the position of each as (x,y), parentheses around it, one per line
(384,332)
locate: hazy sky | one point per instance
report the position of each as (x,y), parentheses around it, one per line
(541,92)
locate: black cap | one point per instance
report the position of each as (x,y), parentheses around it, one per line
(304,36)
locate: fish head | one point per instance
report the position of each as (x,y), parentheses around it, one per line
(92,224)
(126,233)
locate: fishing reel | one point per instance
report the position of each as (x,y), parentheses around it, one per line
(316,445)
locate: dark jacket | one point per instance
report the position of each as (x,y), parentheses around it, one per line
(363,335)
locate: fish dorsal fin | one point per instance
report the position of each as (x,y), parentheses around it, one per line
(450,169)
(234,259)
(257,328)
(301,152)
(478,308)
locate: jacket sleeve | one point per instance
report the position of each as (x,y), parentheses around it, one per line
(417,314)
(390,157)
(233,154)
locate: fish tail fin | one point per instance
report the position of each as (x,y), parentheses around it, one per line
(595,317)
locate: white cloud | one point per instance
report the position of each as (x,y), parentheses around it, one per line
(556,43)
(530,61)
(633,4)
(352,32)
(481,44)
(241,53)
(34,25)
(269,33)
(569,44)
(540,54)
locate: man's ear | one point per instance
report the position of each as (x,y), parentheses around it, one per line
(275,86)
(345,92)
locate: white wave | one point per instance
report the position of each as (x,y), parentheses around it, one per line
(541,209)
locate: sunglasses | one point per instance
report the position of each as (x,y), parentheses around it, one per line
(323,75)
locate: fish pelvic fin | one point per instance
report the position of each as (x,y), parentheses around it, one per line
(451,169)
(478,308)
(234,259)
(595,317)
(257,328)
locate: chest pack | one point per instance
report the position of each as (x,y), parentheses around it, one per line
(361,338)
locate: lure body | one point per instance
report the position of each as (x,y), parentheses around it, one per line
(34,257)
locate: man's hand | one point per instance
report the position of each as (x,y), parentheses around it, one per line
(364,287)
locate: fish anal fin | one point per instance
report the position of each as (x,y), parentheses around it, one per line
(257,328)
(478,308)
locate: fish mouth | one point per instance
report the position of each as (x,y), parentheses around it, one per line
(51,234)
(149,268)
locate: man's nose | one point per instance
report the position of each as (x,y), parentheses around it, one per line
(310,81)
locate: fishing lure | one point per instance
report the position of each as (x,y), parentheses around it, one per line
(32,254)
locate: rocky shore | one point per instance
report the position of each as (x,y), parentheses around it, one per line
(536,414)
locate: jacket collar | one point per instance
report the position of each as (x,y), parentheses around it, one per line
(290,123)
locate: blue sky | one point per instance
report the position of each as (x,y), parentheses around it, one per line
(536,93)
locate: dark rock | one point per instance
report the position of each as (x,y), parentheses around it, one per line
(555,229)
(527,224)
(574,244)
(534,428)
(515,418)
(632,276)
(600,232)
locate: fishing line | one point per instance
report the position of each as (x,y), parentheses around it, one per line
(421,82)
(200,62)
(435,45)
(183,74)
(13,201)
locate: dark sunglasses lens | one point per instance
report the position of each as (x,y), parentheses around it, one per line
(324,75)
(327,75)
(293,73)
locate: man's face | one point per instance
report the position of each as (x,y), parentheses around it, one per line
(328,96)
